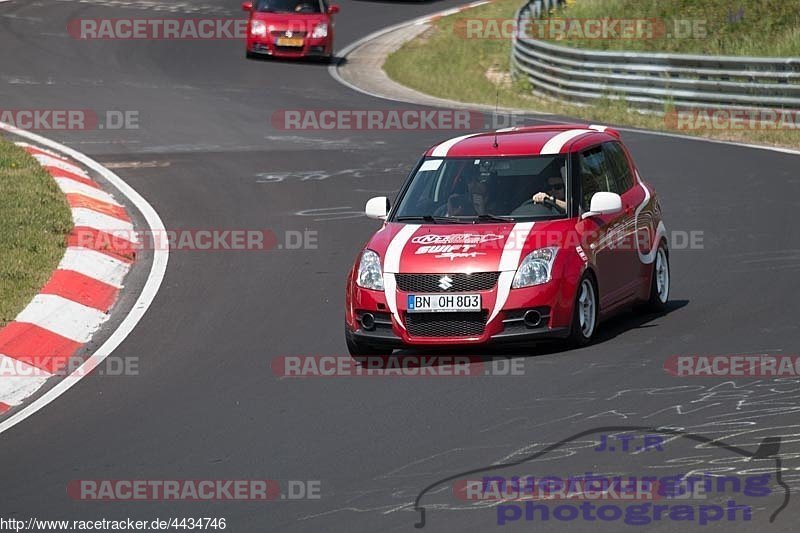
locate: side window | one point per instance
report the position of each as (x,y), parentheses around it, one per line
(594,175)
(618,164)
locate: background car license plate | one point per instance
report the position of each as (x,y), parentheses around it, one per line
(285,41)
(443,303)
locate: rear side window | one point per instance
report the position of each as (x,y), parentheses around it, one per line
(619,166)
(595,175)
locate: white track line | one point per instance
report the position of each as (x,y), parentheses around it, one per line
(143,302)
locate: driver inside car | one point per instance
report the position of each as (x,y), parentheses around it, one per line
(555,194)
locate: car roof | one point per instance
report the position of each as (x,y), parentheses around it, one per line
(525,141)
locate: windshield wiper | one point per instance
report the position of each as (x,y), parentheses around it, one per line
(494,218)
(432,219)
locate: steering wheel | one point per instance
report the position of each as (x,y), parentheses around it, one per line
(531,208)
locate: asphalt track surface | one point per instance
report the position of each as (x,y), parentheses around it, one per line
(206,404)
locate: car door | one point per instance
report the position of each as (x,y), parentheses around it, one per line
(601,233)
(632,196)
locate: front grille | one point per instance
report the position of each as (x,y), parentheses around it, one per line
(477,281)
(446,324)
(295,34)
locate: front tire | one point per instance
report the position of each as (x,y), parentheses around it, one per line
(358,349)
(585,313)
(661,282)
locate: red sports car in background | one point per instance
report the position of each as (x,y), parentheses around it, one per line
(290,28)
(509,237)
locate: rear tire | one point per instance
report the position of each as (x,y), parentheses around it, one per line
(585,313)
(249,55)
(661,281)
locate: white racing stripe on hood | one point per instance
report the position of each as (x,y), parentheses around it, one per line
(554,145)
(444,148)
(509,262)
(391,266)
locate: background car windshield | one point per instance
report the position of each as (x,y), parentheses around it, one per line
(502,187)
(289,6)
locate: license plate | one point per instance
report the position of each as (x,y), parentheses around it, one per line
(443,303)
(285,41)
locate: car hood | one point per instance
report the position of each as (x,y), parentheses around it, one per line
(456,248)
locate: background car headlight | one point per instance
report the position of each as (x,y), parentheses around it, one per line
(536,268)
(258,29)
(320,31)
(369,271)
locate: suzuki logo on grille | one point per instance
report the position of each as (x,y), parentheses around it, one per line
(290,34)
(445,283)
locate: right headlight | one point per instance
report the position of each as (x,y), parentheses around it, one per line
(536,268)
(370,275)
(258,29)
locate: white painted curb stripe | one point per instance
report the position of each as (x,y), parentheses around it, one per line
(556,144)
(49,152)
(95,265)
(139,308)
(100,221)
(18,380)
(70,186)
(65,317)
(48,161)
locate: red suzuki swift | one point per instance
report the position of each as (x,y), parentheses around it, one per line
(509,237)
(290,28)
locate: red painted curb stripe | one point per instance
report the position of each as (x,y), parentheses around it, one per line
(82,289)
(38,151)
(116,211)
(36,346)
(101,241)
(61,173)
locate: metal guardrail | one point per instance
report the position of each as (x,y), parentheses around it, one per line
(650,80)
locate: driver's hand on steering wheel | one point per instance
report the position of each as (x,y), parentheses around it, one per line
(541,197)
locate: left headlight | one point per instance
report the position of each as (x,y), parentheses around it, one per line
(320,31)
(536,268)
(369,271)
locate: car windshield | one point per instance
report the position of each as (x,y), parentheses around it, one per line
(478,190)
(289,6)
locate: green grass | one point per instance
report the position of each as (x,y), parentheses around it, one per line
(441,62)
(34,222)
(726,27)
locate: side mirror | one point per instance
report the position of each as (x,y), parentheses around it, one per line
(604,203)
(333,9)
(247,6)
(377,207)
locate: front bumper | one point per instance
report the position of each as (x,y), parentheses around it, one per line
(311,48)
(552,301)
